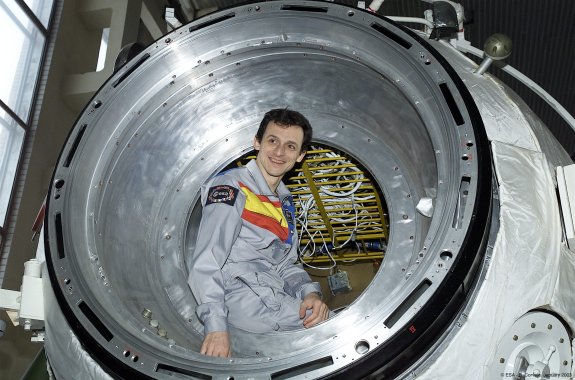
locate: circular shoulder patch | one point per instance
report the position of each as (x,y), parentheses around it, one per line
(222,194)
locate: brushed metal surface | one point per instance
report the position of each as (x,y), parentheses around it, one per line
(128,203)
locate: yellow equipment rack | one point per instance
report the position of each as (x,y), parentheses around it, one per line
(346,202)
(339,209)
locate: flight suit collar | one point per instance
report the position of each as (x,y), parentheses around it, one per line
(261,183)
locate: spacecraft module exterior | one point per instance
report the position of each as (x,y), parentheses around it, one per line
(123,207)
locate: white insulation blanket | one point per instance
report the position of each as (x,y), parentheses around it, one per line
(530,267)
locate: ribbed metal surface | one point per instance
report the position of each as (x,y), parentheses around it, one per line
(543,39)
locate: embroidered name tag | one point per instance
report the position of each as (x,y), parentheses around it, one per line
(222,194)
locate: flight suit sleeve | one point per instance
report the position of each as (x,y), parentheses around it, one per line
(297,282)
(219,228)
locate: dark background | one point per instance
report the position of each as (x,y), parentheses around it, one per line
(543,35)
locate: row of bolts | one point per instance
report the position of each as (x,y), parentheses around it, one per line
(154,323)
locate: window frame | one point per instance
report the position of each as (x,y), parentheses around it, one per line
(27,124)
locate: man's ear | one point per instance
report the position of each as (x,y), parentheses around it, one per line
(256,143)
(301,156)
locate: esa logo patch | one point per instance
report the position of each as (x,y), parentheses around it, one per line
(222,194)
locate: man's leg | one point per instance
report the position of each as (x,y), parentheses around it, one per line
(256,308)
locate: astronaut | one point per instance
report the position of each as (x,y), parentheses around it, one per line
(244,269)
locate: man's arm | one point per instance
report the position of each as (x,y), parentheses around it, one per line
(298,284)
(219,227)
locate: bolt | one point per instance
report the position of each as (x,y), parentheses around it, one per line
(154,323)
(147,313)
(515,337)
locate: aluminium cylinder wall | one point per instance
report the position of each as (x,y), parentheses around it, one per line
(120,220)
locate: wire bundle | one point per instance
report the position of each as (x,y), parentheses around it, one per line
(337,206)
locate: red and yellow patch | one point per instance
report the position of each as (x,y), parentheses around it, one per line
(264,213)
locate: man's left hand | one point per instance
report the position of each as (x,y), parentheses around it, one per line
(319,310)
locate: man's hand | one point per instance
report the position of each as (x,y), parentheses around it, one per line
(319,310)
(216,344)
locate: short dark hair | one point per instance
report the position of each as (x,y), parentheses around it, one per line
(284,116)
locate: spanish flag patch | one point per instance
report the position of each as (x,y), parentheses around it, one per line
(265,213)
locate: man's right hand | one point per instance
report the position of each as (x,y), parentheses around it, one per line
(216,344)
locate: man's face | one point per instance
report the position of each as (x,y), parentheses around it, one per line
(278,151)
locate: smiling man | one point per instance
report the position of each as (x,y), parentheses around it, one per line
(244,268)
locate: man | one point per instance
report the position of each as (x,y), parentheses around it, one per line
(244,269)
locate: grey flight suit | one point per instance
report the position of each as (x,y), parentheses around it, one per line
(244,269)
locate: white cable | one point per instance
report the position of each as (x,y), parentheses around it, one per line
(415,20)
(335,212)
(334,194)
(328,253)
(352,235)
(352,260)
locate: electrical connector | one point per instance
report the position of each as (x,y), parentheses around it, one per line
(339,283)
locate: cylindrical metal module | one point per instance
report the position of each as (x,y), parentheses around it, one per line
(123,207)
